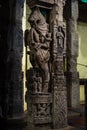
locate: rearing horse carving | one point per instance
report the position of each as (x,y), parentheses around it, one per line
(39,40)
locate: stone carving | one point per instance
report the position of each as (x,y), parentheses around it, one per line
(37,84)
(47,74)
(39,40)
(34,83)
(61,112)
(59,88)
(43,109)
(60,38)
(42,112)
(59,9)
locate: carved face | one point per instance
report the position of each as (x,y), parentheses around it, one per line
(36,18)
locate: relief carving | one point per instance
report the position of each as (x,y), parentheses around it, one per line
(60,109)
(37,84)
(43,109)
(59,9)
(59,84)
(60,38)
(47,72)
(34,80)
(39,40)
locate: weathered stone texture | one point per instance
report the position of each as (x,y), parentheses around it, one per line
(46,84)
(72,53)
(16,81)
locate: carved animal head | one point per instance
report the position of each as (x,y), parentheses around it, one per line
(36,17)
(38,21)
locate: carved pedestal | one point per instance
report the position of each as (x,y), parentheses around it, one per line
(39,102)
(40,111)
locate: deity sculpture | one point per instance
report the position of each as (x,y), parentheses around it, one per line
(60,38)
(39,40)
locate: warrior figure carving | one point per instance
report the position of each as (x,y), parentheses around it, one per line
(39,43)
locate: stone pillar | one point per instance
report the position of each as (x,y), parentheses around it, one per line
(46,87)
(13,95)
(58,50)
(72,53)
(16,100)
(38,39)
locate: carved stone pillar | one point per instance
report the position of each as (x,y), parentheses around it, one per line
(72,53)
(38,39)
(58,49)
(46,87)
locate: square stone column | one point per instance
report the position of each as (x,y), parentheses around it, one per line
(72,75)
(59,92)
(16,99)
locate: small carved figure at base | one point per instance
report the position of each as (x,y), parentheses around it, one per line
(41,110)
(37,85)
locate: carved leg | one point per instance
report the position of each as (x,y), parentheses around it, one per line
(45,76)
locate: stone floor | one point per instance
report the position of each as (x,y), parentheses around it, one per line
(76,121)
(76,117)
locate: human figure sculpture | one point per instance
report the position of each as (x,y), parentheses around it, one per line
(39,43)
(37,84)
(60,38)
(41,109)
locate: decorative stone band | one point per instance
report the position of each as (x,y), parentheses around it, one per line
(41,98)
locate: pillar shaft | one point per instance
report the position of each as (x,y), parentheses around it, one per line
(16,101)
(72,53)
(59,85)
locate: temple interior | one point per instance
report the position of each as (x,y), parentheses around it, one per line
(16,66)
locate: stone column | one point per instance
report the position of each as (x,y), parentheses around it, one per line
(16,100)
(58,49)
(38,96)
(72,53)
